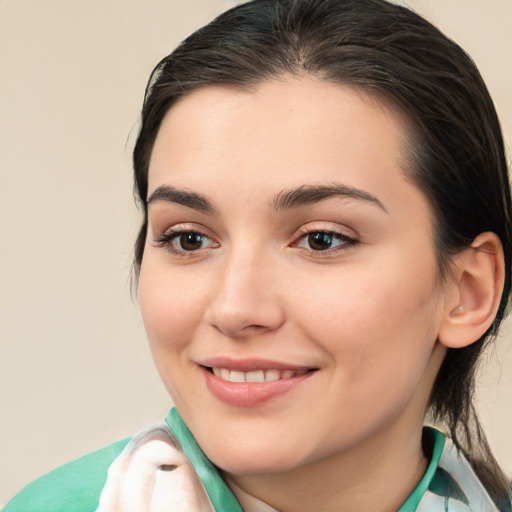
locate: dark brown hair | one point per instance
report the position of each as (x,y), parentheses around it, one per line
(457,152)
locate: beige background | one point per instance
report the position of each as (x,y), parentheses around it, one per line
(75,373)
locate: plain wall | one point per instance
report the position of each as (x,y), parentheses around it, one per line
(75,372)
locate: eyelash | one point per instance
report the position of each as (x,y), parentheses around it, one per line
(167,239)
(345,241)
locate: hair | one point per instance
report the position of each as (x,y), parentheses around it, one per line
(455,146)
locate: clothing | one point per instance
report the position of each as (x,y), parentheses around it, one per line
(165,466)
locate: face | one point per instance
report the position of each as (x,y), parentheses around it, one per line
(289,286)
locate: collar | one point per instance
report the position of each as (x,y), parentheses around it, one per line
(449,482)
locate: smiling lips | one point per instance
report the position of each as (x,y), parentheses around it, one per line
(255,376)
(250,387)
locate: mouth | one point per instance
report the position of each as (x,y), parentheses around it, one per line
(270,375)
(250,383)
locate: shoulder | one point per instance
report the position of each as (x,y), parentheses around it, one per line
(74,487)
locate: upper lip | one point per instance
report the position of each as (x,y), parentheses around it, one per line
(250,364)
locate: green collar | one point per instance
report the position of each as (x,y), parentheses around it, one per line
(438,442)
(220,494)
(223,498)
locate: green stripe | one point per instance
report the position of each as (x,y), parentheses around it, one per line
(221,496)
(438,446)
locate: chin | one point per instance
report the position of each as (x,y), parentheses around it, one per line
(256,459)
(255,467)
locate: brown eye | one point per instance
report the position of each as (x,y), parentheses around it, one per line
(320,241)
(324,241)
(182,242)
(189,241)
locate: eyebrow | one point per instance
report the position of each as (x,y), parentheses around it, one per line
(183,197)
(285,200)
(310,194)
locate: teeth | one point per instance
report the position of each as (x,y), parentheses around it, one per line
(255,376)
(272,375)
(258,376)
(236,376)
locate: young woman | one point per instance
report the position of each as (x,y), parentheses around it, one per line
(325,253)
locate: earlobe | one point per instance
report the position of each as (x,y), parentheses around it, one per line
(475,292)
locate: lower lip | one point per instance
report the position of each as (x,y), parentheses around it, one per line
(250,394)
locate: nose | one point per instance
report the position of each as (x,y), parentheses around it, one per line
(246,300)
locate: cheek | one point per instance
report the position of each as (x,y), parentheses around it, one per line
(171,306)
(375,322)
(379,336)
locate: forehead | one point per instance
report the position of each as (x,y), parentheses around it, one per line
(279,135)
(287,99)
(325,113)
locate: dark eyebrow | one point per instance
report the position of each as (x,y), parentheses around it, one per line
(184,197)
(310,194)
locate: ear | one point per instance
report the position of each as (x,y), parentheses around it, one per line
(473,292)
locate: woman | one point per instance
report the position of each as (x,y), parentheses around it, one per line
(326,251)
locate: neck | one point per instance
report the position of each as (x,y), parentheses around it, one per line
(377,475)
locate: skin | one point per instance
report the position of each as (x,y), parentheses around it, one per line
(365,315)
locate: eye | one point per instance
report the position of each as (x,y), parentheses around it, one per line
(189,241)
(320,241)
(184,242)
(323,241)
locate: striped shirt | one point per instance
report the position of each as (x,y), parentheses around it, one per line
(163,468)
